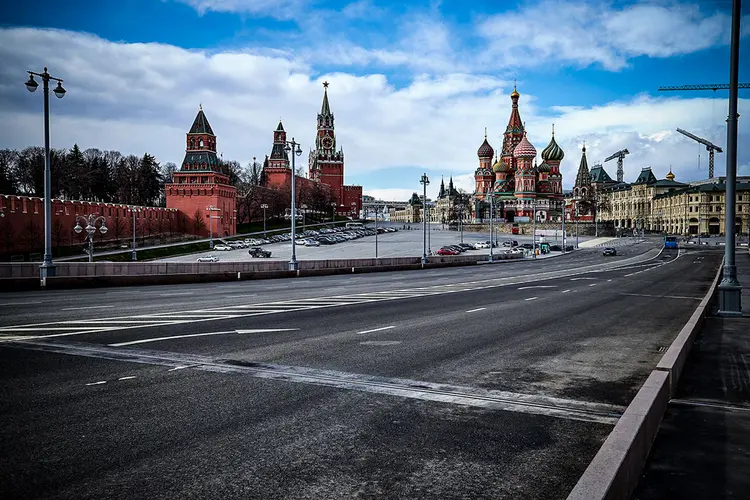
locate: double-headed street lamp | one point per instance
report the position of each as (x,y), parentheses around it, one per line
(90,222)
(425,181)
(295,150)
(264,206)
(47,268)
(333,213)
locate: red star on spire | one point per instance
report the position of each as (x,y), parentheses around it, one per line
(325,85)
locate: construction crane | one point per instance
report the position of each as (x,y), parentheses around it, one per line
(620,155)
(710,147)
(709,86)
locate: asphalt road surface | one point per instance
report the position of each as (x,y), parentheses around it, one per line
(492,381)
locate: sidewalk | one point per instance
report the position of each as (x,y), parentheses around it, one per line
(702,450)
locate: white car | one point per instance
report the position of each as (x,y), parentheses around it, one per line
(481,244)
(222,248)
(208,258)
(312,243)
(300,242)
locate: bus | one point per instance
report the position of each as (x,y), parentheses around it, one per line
(354,225)
(670,242)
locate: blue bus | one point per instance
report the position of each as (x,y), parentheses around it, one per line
(670,242)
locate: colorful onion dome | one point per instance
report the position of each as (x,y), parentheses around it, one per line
(485,150)
(524,149)
(553,152)
(499,166)
(670,175)
(515,92)
(544,167)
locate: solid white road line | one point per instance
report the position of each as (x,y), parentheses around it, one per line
(531,298)
(537,286)
(174,337)
(380,342)
(592,284)
(86,307)
(565,291)
(22,303)
(376,329)
(127,378)
(477,309)
(576,279)
(98,383)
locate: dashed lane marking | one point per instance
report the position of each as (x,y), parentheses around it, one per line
(127,378)
(191,335)
(86,326)
(97,383)
(397,387)
(86,307)
(376,330)
(476,310)
(565,291)
(380,342)
(537,286)
(531,298)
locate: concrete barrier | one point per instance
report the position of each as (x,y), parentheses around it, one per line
(616,468)
(673,361)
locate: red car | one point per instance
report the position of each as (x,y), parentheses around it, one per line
(447,251)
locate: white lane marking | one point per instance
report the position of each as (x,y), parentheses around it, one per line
(376,329)
(127,378)
(565,291)
(538,286)
(181,368)
(609,280)
(396,387)
(592,284)
(661,296)
(28,303)
(531,298)
(416,292)
(477,309)
(629,275)
(190,335)
(97,383)
(175,294)
(86,307)
(380,342)
(576,279)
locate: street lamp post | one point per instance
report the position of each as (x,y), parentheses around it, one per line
(376,231)
(47,268)
(295,150)
(425,181)
(264,206)
(333,213)
(133,212)
(90,228)
(533,230)
(210,209)
(563,226)
(492,220)
(304,217)
(577,216)
(461,222)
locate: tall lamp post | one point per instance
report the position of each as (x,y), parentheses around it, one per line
(533,230)
(304,216)
(47,268)
(492,220)
(133,211)
(461,222)
(563,226)
(211,209)
(333,213)
(295,150)
(425,181)
(90,222)
(264,206)
(376,231)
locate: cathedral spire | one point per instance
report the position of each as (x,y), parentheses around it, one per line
(441,194)
(583,178)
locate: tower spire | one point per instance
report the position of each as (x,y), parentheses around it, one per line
(326,108)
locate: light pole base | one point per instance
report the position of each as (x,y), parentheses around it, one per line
(135,256)
(730,299)
(423,260)
(47,270)
(293,264)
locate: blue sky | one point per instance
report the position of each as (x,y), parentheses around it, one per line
(413,84)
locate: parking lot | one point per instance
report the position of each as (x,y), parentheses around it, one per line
(402,243)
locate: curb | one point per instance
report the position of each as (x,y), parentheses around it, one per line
(616,469)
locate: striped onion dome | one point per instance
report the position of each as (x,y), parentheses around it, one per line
(524,149)
(544,167)
(553,152)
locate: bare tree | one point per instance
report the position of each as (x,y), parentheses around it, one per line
(198,222)
(31,235)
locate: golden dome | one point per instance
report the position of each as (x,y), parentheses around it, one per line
(670,175)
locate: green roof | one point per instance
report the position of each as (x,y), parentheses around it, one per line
(201,125)
(646,176)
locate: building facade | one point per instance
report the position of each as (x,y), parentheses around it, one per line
(519,188)
(199,190)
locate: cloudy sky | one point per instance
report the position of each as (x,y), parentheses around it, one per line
(412,84)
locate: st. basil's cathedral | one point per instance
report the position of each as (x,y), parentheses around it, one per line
(515,181)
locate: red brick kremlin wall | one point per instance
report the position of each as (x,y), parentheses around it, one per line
(22,222)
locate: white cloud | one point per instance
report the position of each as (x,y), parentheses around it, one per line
(585,33)
(279,9)
(147,101)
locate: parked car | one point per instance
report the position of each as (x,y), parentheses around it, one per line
(258,252)
(607,251)
(447,251)
(222,248)
(311,243)
(208,258)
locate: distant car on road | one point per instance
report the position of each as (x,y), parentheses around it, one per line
(208,258)
(608,251)
(258,252)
